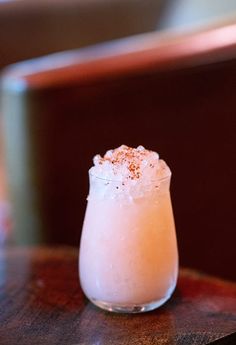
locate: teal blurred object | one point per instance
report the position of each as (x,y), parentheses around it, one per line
(185,15)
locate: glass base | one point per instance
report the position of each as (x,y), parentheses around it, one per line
(130,308)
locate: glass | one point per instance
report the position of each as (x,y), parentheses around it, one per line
(128,252)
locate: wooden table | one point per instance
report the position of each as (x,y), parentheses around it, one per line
(41,303)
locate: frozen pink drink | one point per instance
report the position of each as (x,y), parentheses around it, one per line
(128,252)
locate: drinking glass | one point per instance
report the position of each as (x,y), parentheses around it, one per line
(128,252)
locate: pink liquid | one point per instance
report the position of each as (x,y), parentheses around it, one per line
(128,253)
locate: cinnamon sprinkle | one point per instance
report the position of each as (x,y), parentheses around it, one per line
(126,156)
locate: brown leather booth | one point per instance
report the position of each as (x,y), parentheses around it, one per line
(172,94)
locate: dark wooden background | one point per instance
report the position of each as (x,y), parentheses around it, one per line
(175,96)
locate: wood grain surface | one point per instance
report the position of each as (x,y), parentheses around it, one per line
(41,302)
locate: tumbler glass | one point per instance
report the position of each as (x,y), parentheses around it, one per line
(128,253)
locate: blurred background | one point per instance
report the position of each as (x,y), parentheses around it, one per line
(81,76)
(30,29)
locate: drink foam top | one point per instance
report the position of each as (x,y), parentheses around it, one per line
(126,164)
(127,171)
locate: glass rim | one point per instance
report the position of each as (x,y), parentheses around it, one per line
(161,179)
